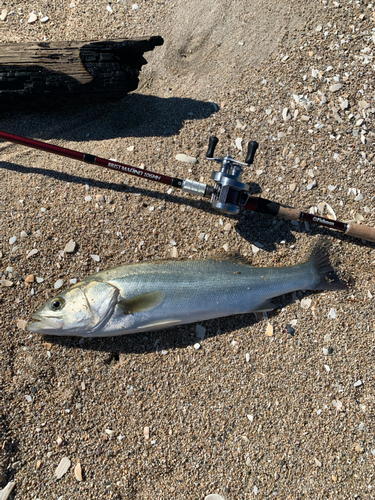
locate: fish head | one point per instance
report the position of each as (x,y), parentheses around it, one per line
(82,310)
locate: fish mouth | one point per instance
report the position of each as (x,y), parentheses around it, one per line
(45,324)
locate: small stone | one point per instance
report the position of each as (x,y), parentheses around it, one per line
(28,398)
(32,18)
(318,463)
(58,284)
(358,448)
(100,198)
(332,313)
(23,234)
(110,432)
(327,368)
(335,87)
(186,158)
(63,467)
(358,383)
(247,357)
(96,258)
(12,240)
(39,280)
(29,278)
(146,433)
(59,441)
(334,478)
(226,247)
(290,330)
(292,186)
(135,6)
(197,346)
(174,253)
(6,283)
(281,135)
(109,8)
(227,227)
(311,185)
(3,14)
(361,426)
(306,302)
(9,269)
(88,198)
(70,247)
(269,330)
(325,351)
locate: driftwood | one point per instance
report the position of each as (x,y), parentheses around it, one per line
(50,73)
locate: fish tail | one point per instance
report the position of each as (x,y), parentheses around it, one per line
(326,276)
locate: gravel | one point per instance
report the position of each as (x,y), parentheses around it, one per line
(240,414)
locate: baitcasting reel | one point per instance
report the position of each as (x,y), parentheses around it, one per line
(229,194)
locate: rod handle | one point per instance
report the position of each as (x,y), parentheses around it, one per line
(364,232)
(211,146)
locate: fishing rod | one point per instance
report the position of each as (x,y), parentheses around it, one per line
(229,194)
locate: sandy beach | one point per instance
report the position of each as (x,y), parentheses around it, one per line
(274,405)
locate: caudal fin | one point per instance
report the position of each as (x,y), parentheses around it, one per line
(321,264)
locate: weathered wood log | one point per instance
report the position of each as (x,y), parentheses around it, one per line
(56,73)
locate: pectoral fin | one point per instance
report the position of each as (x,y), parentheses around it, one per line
(142,303)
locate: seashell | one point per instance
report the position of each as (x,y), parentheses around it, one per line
(31,253)
(62,467)
(269,330)
(214,496)
(6,283)
(110,432)
(186,158)
(78,472)
(70,247)
(146,433)
(59,441)
(306,302)
(239,143)
(5,492)
(21,324)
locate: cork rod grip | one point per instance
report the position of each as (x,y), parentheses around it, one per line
(364,232)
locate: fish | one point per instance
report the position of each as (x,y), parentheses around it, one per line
(148,296)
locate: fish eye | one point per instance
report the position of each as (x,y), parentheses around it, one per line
(57,303)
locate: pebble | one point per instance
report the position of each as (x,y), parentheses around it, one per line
(3,14)
(290,330)
(325,351)
(361,426)
(335,87)
(59,283)
(311,185)
(12,240)
(9,269)
(29,278)
(32,18)
(135,6)
(63,467)
(332,313)
(226,247)
(306,302)
(88,198)
(100,198)
(227,227)
(6,283)
(174,253)
(197,346)
(39,279)
(186,158)
(269,330)
(247,357)
(358,383)
(146,433)
(318,463)
(96,258)
(23,234)
(70,246)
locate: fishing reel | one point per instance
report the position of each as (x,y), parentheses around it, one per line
(229,194)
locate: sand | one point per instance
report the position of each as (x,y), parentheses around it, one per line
(247,414)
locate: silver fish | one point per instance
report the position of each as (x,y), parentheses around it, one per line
(149,296)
